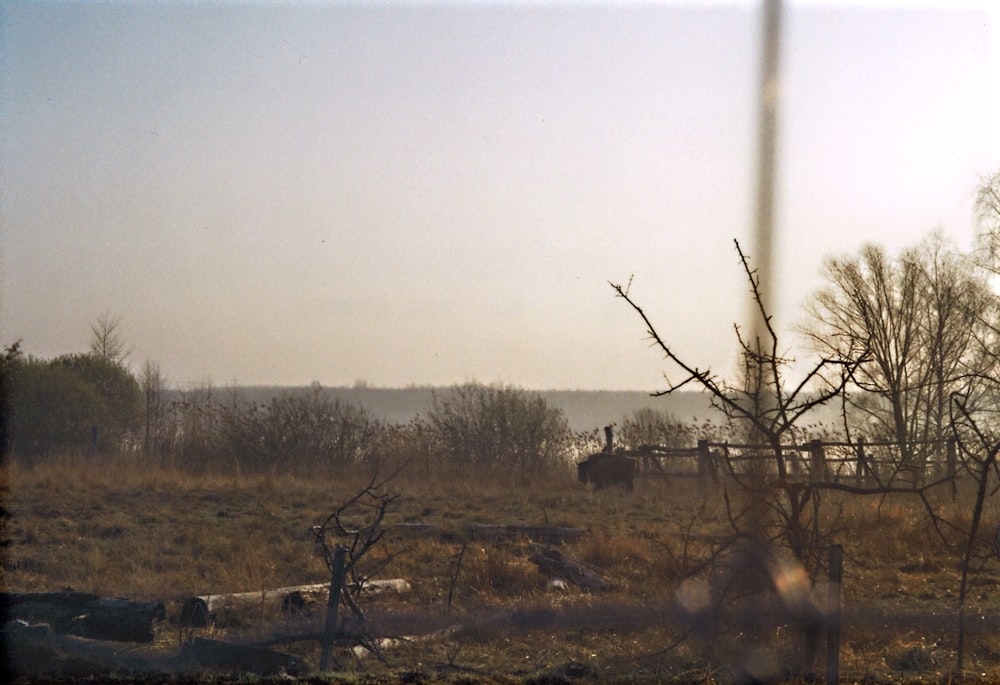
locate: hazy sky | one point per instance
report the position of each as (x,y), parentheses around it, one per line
(430,193)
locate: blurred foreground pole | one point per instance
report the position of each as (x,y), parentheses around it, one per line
(330,627)
(769,91)
(833,614)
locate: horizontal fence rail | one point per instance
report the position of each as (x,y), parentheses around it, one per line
(860,463)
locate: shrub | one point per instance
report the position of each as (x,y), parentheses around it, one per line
(496,430)
(57,404)
(650,427)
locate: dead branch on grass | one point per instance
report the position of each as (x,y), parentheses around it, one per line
(359,522)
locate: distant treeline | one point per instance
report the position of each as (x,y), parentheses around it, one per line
(585,410)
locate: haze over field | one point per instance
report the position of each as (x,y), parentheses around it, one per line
(413,193)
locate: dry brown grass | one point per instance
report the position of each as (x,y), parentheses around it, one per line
(130,530)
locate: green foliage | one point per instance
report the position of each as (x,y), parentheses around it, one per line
(8,359)
(496,429)
(56,404)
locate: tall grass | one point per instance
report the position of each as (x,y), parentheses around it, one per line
(125,528)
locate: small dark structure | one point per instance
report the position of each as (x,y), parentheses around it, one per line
(603,469)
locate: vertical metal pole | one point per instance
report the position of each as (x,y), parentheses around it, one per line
(760,337)
(332,604)
(766,159)
(833,615)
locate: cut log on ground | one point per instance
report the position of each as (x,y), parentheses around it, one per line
(223,609)
(546,534)
(420,530)
(84,614)
(555,564)
(396,586)
(200,611)
(202,653)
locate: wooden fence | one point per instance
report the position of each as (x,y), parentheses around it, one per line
(859,463)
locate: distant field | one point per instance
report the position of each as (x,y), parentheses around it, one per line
(481,611)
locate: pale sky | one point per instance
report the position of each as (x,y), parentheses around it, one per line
(430,193)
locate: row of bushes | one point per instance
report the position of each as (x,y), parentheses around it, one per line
(490,430)
(88,403)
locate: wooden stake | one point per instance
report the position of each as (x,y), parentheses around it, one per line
(330,627)
(833,615)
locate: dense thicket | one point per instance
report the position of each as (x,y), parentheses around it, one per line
(496,430)
(72,402)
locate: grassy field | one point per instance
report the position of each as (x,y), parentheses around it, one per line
(147,534)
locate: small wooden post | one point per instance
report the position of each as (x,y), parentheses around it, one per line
(330,627)
(704,467)
(817,462)
(859,470)
(833,614)
(609,439)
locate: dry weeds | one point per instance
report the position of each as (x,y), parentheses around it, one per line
(145,533)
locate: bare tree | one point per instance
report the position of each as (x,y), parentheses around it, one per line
(497,430)
(981,447)
(915,317)
(957,301)
(765,403)
(154,388)
(347,535)
(988,215)
(106,340)
(647,426)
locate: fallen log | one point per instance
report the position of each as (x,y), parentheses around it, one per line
(547,534)
(35,654)
(225,609)
(84,614)
(199,611)
(399,586)
(555,564)
(424,530)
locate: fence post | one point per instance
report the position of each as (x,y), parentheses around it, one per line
(859,470)
(704,463)
(609,439)
(833,614)
(817,461)
(330,626)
